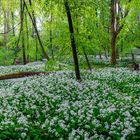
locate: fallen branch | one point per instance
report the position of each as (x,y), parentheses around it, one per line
(21,75)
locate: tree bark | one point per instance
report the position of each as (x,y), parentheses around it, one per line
(22,26)
(133,57)
(5,29)
(115,27)
(100,55)
(73,43)
(51,34)
(113,32)
(27,38)
(36,49)
(87,60)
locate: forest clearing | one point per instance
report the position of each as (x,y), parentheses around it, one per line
(69,70)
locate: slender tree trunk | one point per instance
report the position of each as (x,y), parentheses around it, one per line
(51,45)
(36,49)
(8,24)
(22,26)
(23,50)
(37,33)
(87,60)
(113,32)
(100,55)
(73,43)
(5,29)
(83,48)
(133,57)
(27,37)
(13,23)
(17,49)
(51,34)
(105,53)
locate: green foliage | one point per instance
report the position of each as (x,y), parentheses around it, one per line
(6,57)
(91,26)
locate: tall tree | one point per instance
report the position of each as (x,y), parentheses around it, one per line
(113,31)
(32,17)
(73,43)
(22,6)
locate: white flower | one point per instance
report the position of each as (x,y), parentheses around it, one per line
(23,135)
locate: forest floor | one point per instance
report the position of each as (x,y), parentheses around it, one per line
(104,105)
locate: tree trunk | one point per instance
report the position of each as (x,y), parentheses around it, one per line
(27,38)
(51,39)
(87,60)
(73,43)
(37,33)
(100,55)
(105,52)
(117,53)
(22,26)
(36,49)
(13,23)
(133,57)
(113,32)
(5,29)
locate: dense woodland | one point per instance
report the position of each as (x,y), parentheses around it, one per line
(56,30)
(69,69)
